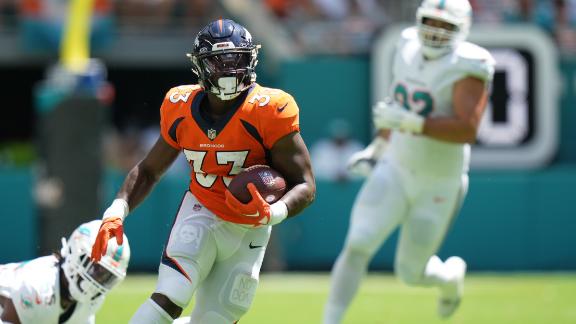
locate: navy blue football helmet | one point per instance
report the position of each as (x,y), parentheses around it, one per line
(224,58)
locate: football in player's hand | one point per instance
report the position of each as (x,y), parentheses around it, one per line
(270,184)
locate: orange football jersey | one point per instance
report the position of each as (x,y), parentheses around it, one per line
(216,151)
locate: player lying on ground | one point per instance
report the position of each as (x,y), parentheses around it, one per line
(439,91)
(224,124)
(66,287)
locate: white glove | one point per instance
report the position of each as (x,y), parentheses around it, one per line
(389,115)
(361,163)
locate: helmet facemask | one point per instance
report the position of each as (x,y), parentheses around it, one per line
(437,40)
(226,73)
(442,28)
(224,58)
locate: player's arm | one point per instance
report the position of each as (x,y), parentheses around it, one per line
(137,185)
(361,163)
(289,156)
(9,314)
(469,100)
(142,178)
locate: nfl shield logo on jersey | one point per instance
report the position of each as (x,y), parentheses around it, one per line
(211,134)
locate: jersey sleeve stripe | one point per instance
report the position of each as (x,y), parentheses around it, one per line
(251,129)
(174,128)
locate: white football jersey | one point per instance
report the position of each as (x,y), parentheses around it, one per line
(34,287)
(425,87)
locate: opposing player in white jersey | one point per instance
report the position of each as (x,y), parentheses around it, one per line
(420,157)
(66,287)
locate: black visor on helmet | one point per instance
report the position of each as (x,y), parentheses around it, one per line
(224,50)
(100,274)
(224,62)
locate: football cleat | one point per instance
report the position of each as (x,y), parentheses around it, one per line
(451,296)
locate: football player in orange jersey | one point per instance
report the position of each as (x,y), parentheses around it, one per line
(224,124)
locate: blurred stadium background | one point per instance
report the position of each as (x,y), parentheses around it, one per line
(64,154)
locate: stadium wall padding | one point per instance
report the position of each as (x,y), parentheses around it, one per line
(509,221)
(18,225)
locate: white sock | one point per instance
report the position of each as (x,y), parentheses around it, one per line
(348,271)
(151,313)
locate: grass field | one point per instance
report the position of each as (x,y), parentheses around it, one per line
(299,298)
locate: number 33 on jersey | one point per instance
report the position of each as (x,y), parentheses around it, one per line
(217,150)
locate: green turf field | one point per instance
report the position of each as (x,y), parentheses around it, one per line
(299,298)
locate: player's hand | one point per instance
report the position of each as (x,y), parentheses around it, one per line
(256,212)
(389,115)
(110,227)
(361,163)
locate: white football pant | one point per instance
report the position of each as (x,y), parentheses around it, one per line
(218,260)
(424,206)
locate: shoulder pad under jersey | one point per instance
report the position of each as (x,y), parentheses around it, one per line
(475,61)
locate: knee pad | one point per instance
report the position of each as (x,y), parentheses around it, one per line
(192,245)
(238,292)
(425,231)
(362,242)
(177,287)
(356,257)
(228,304)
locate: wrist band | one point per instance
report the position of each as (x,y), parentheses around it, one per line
(278,212)
(413,123)
(118,208)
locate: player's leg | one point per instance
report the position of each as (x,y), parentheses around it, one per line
(186,261)
(377,211)
(227,293)
(423,232)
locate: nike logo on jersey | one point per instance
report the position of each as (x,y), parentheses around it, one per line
(281,109)
(254,246)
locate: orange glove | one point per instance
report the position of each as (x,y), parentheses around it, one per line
(256,211)
(110,227)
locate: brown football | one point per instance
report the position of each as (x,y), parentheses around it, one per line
(270,184)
